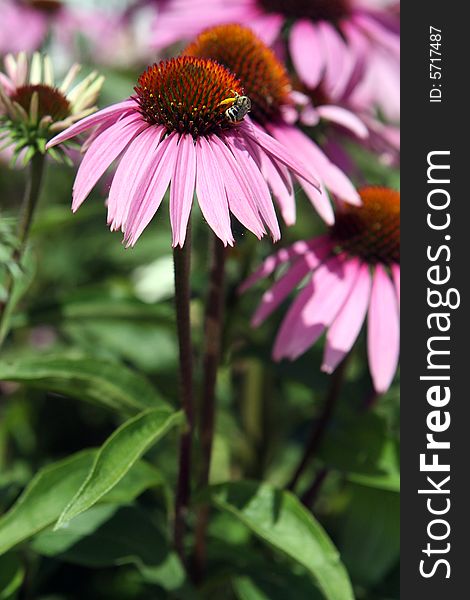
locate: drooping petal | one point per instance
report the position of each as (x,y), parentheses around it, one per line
(383,335)
(318,198)
(239,195)
(338,60)
(211,192)
(256,182)
(346,327)
(282,256)
(345,118)
(306,52)
(378,32)
(333,178)
(315,307)
(131,170)
(273,297)
(396,280)
(118,110)
(279,181)
(182,189)
(102,152)
(276,175)
(267,27)
(279,153)
(143,210)
(6,84)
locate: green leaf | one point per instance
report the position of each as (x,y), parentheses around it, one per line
(355,443)
(12,574)
(273,585)
(117,455)
(43,499)
(108,535)
(141,477)
(100,382)
(387,476)
(370,540)
(54,486)
(23,276)
(279,519)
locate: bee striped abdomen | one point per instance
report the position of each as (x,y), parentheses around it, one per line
(239,109)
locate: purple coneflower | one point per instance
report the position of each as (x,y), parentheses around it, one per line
(325,37)
(266,82)
(33,107)
(351,271)
(345,113)
(24,24)
(185,125)
(29,25)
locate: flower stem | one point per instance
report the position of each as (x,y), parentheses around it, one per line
(213,336)
(310,495)
(182,263)
(320,425)
(30,200)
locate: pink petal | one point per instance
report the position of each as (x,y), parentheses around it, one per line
(142,210)
(383,336)
(315,307)
(239,195)
(307,52)
(346,327)
(256,183)
(276,176)
(124,187)
(379,33)
(267,27)
(102,152)
(282,256)
(253,161)
(273,297)
(338,60)
(333,178)
(211,192)
(7,84)
(345,118)
(396,280)
(117,110)
(182,189)
(278,152)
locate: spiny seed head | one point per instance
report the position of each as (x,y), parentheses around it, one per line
(188,95)
(264,78)
(371,231)
(51,101)
(316,10)
(46,6)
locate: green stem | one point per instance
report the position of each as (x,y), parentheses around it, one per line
(213,336)
(30,200)
(182,262)
(310,495)
(320,425)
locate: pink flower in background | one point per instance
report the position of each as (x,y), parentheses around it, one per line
(326,38)
(347,116)
(185,125)
(351,272)
(22,28)
(26,25)
(266,82)
(34,106)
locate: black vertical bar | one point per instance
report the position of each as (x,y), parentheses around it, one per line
(435,127)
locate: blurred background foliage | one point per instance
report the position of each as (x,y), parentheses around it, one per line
(91,311)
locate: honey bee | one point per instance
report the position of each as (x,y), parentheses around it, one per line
(241,106)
